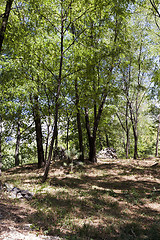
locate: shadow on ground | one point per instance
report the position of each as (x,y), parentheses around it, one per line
(111,201)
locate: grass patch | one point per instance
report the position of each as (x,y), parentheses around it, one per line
(116,200)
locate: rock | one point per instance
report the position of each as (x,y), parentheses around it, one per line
(26,194)
(19,193)
(107,153)
(7,187)
(16,192)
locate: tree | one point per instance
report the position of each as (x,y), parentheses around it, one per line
(3,27)
(4,22)
(66,24)
(79,127)
(38,127)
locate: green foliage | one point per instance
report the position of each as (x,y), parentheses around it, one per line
(102,43)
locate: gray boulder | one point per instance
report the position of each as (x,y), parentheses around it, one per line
(107,153)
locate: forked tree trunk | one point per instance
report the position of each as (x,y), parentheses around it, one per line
(92,136)
(17,144)
(51,145)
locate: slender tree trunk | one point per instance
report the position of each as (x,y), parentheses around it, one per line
(91,140)
(100,140)
(55,130)
(17,144)
(5,21)
(47,140)
(107,140)
(127,131)
(46,171)
(67,137)
(135,140)
(134,121)
(0,145)
(127,143)
(37,120)
(48,125)
(88,133)
(157,140)
(80,137)
(56,139)
(135,146)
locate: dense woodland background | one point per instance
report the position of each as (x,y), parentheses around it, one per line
(80,75)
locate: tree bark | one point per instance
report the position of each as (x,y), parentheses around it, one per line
(0,145)
(92,136)
(55,130)
(38,127)
(46,171)
(157,140)
(135,134)
(135,146)
(67,137)
(107,140)
(17,144)
(47,140)
(5,21)
(92,149)
(127,131)
(80,137)
(91,140)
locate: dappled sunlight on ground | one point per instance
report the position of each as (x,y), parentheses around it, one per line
(113,199)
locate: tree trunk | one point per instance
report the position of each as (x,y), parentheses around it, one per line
(92,137)
(17,145)
(67,137)
(100,140)
(92,150)
(5,21)
(47,140)
(134,121)
(46,171)
(135,146)
(80,137)
(91,140)
(157,140)
(127,143)
(107,140)
(55,130)
(37,120)
(0,145)
(127,129)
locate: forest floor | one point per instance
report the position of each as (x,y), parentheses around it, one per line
(112,200)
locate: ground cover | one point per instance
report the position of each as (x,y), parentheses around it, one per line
(113,199)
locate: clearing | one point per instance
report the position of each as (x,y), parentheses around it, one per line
(112,200)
